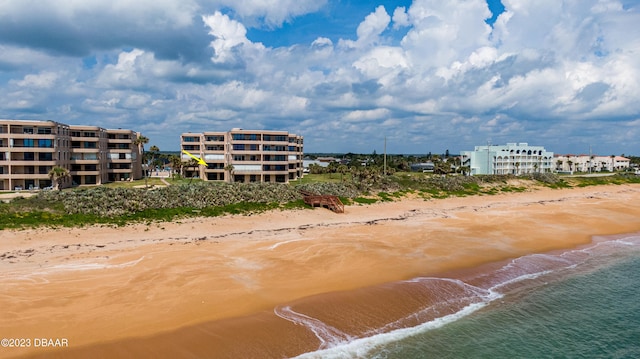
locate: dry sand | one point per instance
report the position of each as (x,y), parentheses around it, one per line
(104,284)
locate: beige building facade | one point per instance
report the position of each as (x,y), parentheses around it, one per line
(93,155)
(591,163)
(245,155)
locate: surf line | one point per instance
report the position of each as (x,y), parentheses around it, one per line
(328,335)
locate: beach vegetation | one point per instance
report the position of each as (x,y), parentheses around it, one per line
(133,201)
(365,200)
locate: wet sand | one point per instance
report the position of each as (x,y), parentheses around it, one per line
(210,286)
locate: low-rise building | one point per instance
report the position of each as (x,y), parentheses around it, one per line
(591,163)
(93,155)
(512,158)
(244,155)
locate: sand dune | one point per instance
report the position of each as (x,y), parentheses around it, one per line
(103,284)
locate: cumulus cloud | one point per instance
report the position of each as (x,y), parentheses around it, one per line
(370,29)
(367,115)
(43,80)
(272,13)
(400,17)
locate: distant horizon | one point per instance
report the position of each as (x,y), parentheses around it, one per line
(451,154)
(424,74)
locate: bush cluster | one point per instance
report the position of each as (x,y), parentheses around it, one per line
(345,189)
(113,202)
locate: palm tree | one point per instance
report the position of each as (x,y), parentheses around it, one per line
(140,141)
(58,175)
(176,164)
(517,164)
(342,169)
(613,162)
(154,151)
(229,168)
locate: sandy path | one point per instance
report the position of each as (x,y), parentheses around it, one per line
(91,285)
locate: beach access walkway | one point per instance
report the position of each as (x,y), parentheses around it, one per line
(330,202)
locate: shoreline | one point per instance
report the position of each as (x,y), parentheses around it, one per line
(95,285)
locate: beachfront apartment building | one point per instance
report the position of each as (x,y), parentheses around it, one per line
(93,155)
(244,155)
(512,158)
(590,163)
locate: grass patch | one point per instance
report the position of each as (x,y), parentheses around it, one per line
(508,189)
(364,200)
(385,197)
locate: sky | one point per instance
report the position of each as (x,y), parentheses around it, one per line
(427,75)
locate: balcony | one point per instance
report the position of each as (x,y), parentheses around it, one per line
(85,173)
(15,176)
(119,170)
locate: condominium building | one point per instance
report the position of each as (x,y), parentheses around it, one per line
(512,158)
(93,155)
(591,163)
(245,155)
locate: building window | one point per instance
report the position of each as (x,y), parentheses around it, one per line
(245,137)
(45,143)
(44,130)
(238,147)
(214,138)
(45,157)
(190,139)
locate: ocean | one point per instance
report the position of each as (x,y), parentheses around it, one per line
(578,303)
(574,303)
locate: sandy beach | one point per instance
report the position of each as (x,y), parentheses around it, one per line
(139,289)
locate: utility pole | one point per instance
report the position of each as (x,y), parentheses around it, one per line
(488,160)
(385,156)
(590,159)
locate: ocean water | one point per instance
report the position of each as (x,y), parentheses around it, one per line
(579,303)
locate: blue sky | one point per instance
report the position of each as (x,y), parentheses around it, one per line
(428,75)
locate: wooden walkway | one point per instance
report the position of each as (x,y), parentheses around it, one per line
(318,200)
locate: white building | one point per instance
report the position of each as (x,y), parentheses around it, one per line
(593,163)
(512,158)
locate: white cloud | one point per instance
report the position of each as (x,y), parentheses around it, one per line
(272,12)
(370,29)
(446,31)
(367,115)
(400,17)
(125,72)
(43,80)
(229,36)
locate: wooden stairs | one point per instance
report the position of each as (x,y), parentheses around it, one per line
(332,203)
